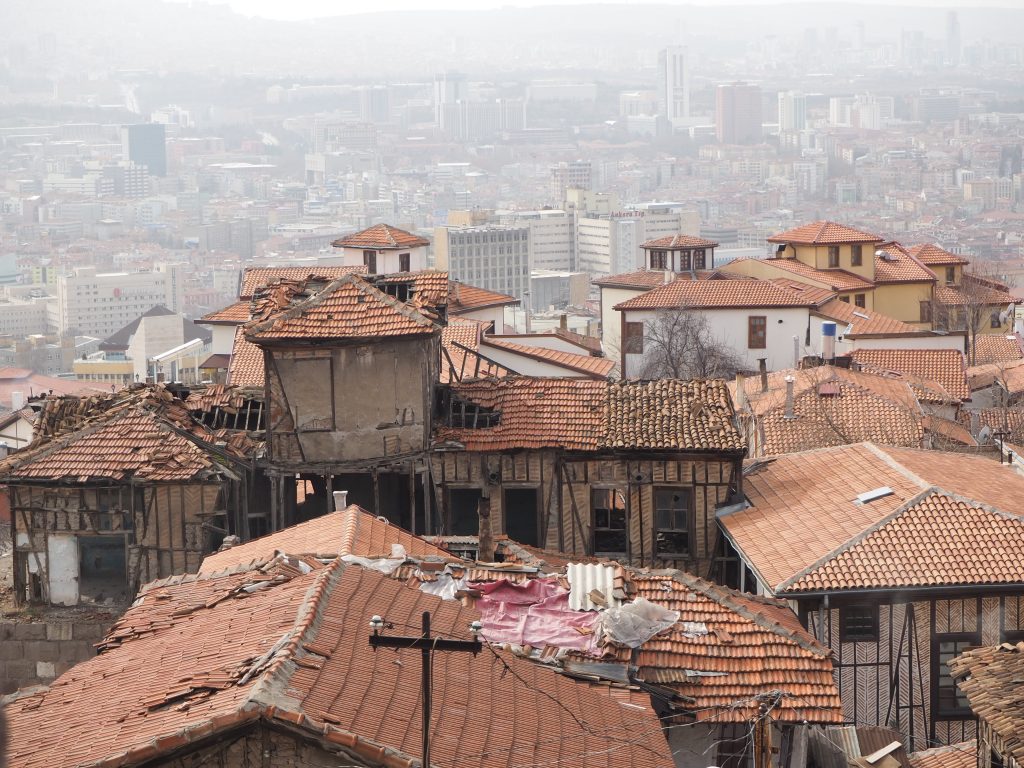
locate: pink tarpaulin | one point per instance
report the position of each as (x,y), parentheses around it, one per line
(536,613)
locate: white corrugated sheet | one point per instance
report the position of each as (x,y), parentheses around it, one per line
(584,579)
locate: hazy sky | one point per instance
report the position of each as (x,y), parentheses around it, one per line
(305,9)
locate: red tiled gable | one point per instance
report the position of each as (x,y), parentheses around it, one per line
(717,294)
(381,237)
(788,491)
(233,314)
(255,278)
(467,298)
(991,348)
(588,415)
(929,253)
(857,322)
(824,233)
(990,678)
(294,652)
(679,241)
(348,308)
(753,646)
(597,367)
(836,279)
(974,291)
(944,366)
(900,266)
(245,368)
(351,531)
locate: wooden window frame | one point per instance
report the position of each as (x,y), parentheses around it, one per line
(860,300)
(688,493)
(700,258)
(833,257)
(757,338)
(959,713)
(857,255)
(370,261)
(595,528)
(926,311)
(950,275)
(632,342)
(659,259)
(404,262)
(868,612)
(994,321)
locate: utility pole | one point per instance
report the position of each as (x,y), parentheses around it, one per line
(427,645)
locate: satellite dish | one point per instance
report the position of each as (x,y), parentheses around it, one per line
(984,435)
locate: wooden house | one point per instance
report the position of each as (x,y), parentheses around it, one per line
(898,559)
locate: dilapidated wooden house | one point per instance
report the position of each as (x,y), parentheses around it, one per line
(121,489)
(898,559)
(629,470)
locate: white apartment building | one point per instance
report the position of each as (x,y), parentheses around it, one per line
(674,84)
(25,317)
(552,237)
(792,111)
(98,304)
(493,257)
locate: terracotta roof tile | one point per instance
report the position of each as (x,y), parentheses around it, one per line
(351,531)
(824,233)
(900,266)
(723,294)
(596,367)
(255,278)
(679,241)
(233,314)
(644,278)
(961,755)
(990,678)
(943,366)
(460,359)
(347,308)
(294,651)
(381,237)
(836,279)
(974,290)
(752,646)
(929,253)
(947,500)
(245,368)
(862,322)
(467,298)
(588,415)
(997,348)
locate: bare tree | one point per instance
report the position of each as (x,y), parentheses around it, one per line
(680,344)
(980,294)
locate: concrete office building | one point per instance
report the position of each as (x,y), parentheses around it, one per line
(792,111)
(552,237)
(493,257)
(99,304)
(738,113)
(146,144)
(610,244)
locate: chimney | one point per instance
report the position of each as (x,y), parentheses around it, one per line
(796,351)
(563,321)
(789,397)
(741,392)
(17,401)
(485,540)
(828,341)
(340,500)
(667,277)
(762,364)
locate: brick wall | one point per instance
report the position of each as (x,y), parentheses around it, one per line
(36,652)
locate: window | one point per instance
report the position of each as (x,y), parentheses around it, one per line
(608,506)
(950,275)
(633,338)
(926,311)
(672,521)
(845,299)
(757,332)
(684,260)
(949,701)
(858,623)
(370,261)
(700,258)
(403,262)
(659,259)
(995,321)
(858,300)
(833,255)
(856,255)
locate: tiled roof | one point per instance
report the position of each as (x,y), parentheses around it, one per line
(835,406)
(944,366)
(824,233)
(990,678)
(812,293)
(997,348)
(255,278)
(752,646)
(468,298)
(381,237)
(717,294)
(929,253)
(836,279)
(460,359)
(430,288)
(1010,376)
(293,651)
(347,308)
(900,266)
(973,291)
(596,367)
(588,415)
(941,509)
(862,322)
(350,531)
(961,755)
(245,368)
(679,241)
(233,314)
(644,278)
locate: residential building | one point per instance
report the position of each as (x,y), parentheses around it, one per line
(575,174)
(383,249)
(101,303)
(898,559)
(792,111)
(986,680)
(673,85)
(738,114)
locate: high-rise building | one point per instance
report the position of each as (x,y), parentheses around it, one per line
(96,304)
(449,89)
(577,174)
(953,45)
(674,84)
(738,113)
(146,144)
(792,111)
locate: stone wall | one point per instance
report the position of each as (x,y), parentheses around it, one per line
(35,652)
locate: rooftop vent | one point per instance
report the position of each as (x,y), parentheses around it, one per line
(878,493)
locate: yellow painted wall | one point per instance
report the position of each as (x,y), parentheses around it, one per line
(817,256)
(765,270)
(903,301)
